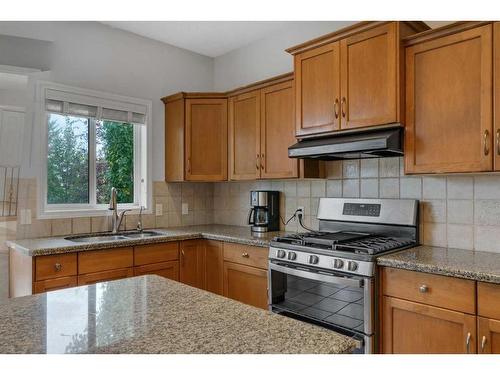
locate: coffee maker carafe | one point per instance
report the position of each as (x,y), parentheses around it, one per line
(264,211)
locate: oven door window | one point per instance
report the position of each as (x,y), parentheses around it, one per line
(328,302)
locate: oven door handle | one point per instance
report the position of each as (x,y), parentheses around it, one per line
(318,276)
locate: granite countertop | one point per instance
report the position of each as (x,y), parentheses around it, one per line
(151,314)
(227,233)
(465,264)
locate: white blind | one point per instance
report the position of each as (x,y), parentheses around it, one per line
(89,106)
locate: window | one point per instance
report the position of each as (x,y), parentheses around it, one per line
(93,143)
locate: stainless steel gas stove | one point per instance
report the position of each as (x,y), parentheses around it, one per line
(328,277)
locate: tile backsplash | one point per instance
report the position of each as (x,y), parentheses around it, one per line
(461,211)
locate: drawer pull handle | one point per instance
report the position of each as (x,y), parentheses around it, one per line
(342,104)
(498,142)
(423,288)
(245,255)
(467,342)
(485,140)
(58,267)
(483,344)
(336,108)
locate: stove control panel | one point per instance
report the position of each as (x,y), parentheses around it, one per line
(338,264)
(352,266)
(313,259)
(281,254)
(292,255)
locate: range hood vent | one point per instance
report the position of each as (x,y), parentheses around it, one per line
(380,142)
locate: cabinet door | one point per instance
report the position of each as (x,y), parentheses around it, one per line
(54,284)
(369,77)
(206,139)
(449,103)
(488,336)
(496,90)
(245,284)
(277,131)
(99,277)
(192,263)
(174,140)
(169,270)
(414,328)
(214,267)
(244,142)
(317,94)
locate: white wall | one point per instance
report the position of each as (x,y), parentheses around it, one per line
(267,57)
(92,55)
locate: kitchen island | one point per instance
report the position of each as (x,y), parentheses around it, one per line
(151,314)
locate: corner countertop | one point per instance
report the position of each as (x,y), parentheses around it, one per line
(227,233)
(151,314)
(465,264)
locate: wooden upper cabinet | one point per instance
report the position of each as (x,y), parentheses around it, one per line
(206,139)
(369,77)
(317,92)
(277,131)
(496,92)
(174,140)
(244,133)
(449,103)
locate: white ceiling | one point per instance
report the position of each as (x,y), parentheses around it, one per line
(209,38)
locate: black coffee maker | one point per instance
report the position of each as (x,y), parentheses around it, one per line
(264,213)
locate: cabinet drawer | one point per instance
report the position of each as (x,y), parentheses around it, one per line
(488,300)
(243,254)
(54,284)
(441,291)
(156,253)
(103,260)
(98,277)
(170,270)
(55,266)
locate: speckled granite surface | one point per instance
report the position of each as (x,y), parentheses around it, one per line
(465,264)
(228,233)
(150,314)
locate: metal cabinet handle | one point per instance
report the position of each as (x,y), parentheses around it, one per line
(261,161)
(467,342)
(257,162)
(423,288)
(486,135)
(245,255)
(189,165)
(343,103)
(498,142)
(336,108)
(483,344)
(182,258)
(58,267)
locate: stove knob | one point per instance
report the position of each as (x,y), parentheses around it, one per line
(352,266)
(313,259)
(338,263)
(280,253)
(292,255)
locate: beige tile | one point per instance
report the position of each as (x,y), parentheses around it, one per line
(487,212)
(435,234)
(487,238)
(174,218)
(333,169)
(487,187)
(460,236)
(290,189)
(163,201)
(318,189)
(389,167)
(402,166)
(187,219)
(61,227)
(148,221)
(350,169)
(460,211)
(369,168)
(306,203)
(81,225)
(334,188)
(161,221)
(304,189)
(175,189)
(100,224)
(187,190)
(278,185)
(434,211)
(234,189)
(314,206)
(174,204)
(39,228)
(460,187)
(410,187)
(434,188)
(290,205)
(131,221)
(160,189)
(350,188)
(389,188)
(369,188)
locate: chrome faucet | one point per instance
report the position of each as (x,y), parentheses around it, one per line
(139,223)
(116,218)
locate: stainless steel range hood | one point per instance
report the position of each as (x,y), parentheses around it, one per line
(379,142)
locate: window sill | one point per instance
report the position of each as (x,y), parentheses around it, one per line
(90,212)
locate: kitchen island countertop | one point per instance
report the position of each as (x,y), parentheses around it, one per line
(151,314)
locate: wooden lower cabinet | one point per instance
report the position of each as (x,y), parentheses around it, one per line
(214,267)
(54,284)
(192,263)
(410,327)
(245,284)
(488,335)
(169,270)
(98,277)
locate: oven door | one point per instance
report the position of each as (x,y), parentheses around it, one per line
(331,299)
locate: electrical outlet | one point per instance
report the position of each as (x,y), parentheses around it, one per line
(185,208)
(301,210)
(159,209)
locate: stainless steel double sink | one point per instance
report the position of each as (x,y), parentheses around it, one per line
(105,237)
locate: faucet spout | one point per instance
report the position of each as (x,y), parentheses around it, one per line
(116,219)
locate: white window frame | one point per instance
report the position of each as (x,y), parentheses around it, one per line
(142,157)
